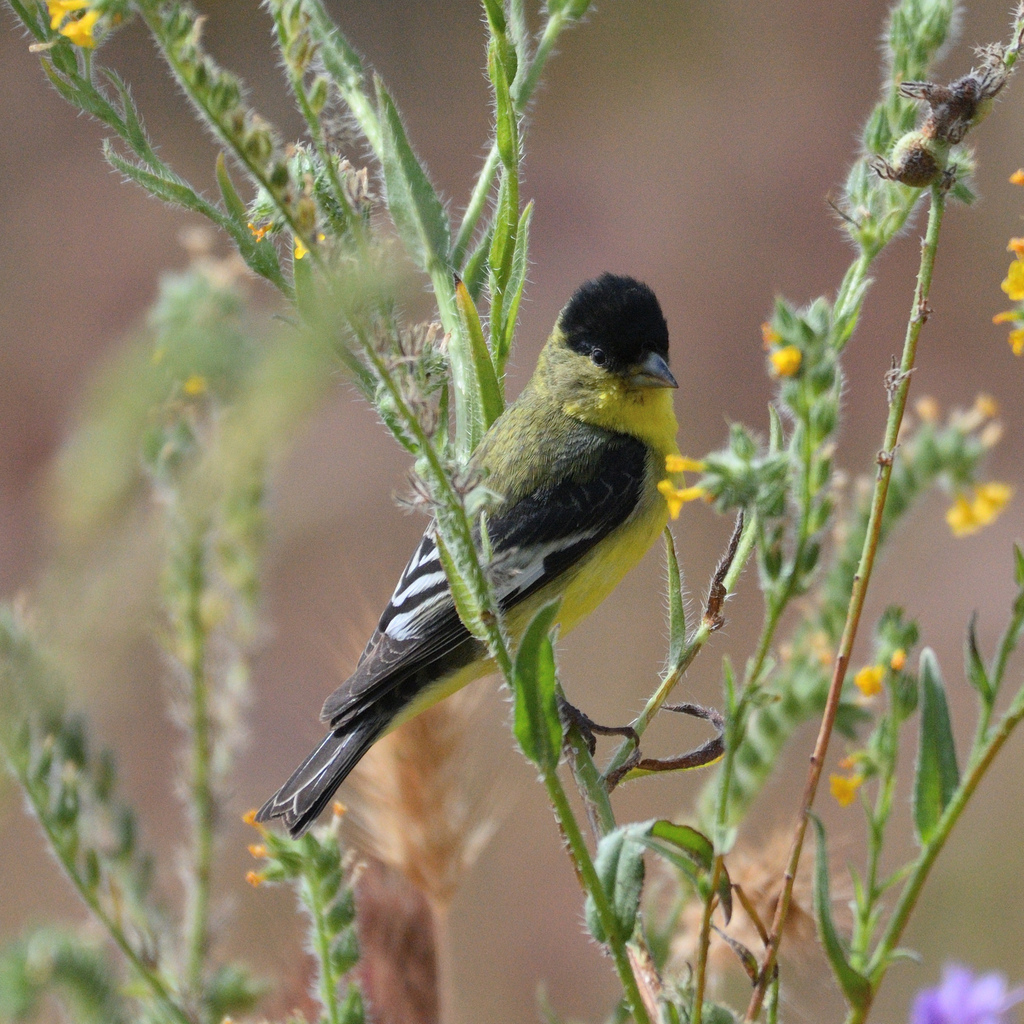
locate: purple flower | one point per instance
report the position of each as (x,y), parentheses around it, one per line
(963,998)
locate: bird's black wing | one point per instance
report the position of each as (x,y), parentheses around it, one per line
(534,540)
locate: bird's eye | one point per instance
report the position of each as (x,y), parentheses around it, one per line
(598,356)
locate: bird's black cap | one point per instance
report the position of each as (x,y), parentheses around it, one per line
(619,315)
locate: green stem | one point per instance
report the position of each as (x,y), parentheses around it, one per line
(693,646)
(146,974)
(327,982)
(881,958)
(588,875)
(918,316)
(203,810)
(522,92)
(704,945)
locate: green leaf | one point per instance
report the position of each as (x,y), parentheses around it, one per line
(1018,565)
(855,986)
(620,867)
(974,667)
(514,288)
(465,601)
(698,849)
(475,272)
(488,389)
(506,221)
(506,125)
(937,775)
(776,433)
(414,205)
(536,724)
(676,610)
(232,200)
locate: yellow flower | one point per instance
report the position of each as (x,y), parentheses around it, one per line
(1017,178)
(786,361)
(255,878)
(1008,317)
(769,335)
(80,30)
(986,405)
(677,497)
(258,232)
(927,408)
(1014,283)
(60,9)
(257,849)
(681,464)
(1016,245)
(338,809)
(898,660)
(989,500)
(869,680)
(194,385)
(844,788)
(1016,340)
(967,517)
(300,248)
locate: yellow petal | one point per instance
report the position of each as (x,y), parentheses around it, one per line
(1009,316)
(960,517)
(80,30)
(682,464)
(677,497)
(869,680)
(844,789)
(1016,340)
(769,335)
(1013,285)
(1017,178)
(989,500)
(300,248)
(898,660)
(786,361)
(1016,245)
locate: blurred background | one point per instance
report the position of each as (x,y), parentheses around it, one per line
(691,145)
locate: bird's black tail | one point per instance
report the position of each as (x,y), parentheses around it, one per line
(301,799)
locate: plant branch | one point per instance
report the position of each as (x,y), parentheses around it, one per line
(918,316)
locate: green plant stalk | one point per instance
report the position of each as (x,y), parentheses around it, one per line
(897,406)
(149,12)
(203,810)
(693,646)
(522,92)
(588,875)
(146,974)
(590,784)
(327,983)
(704,943)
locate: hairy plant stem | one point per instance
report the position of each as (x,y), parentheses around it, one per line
(327,983)
(149,977)
(898,402)
(881,958)
(201,798)
(703,946)
(522,92)
(588,876)
(697,640)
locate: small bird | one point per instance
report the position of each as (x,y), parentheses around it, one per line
(575,461)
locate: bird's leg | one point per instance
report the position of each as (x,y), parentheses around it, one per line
(706,753)
(589,729)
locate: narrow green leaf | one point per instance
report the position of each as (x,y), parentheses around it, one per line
(514,288)
(937,775)
(475,272)
(855,986)
(465,601)
(974,667)
(488,389)
(503,241)
(620,867)
(305,288)
(232,200)
(414,205)
(506,126)
(536,724)
(700,850)
(776,433)
(1018,565)
(676,610)
(495,16)
(134,132)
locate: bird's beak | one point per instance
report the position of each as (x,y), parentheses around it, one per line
(653,372)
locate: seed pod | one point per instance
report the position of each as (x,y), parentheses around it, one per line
(917,160)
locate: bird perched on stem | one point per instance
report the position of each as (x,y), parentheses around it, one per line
(576,462)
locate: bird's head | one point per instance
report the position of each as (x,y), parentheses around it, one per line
(612,329)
